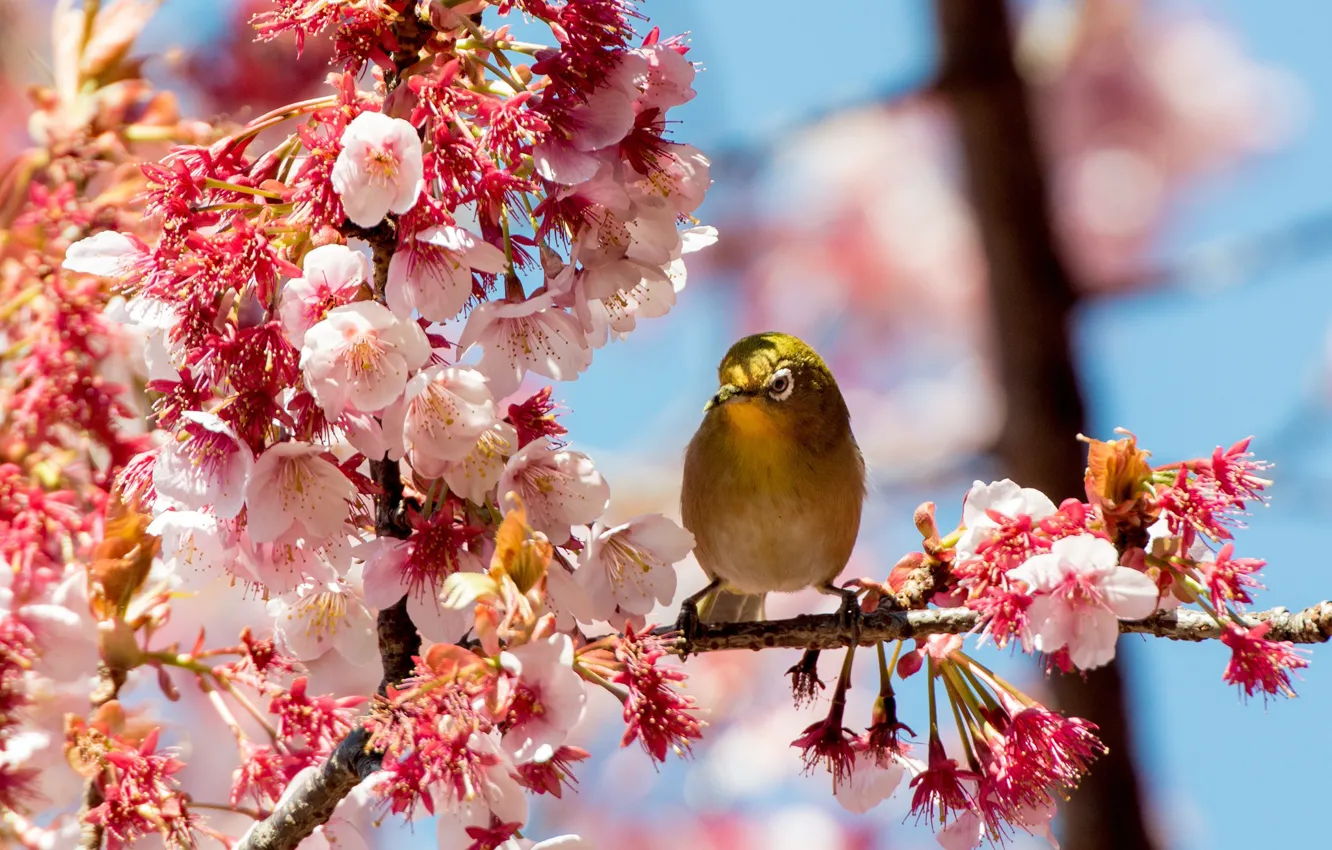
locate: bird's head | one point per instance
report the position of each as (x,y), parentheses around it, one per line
(774,385)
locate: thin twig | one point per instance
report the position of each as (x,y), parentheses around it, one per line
(821,631)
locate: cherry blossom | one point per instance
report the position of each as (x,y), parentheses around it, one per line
(627,568)
(334,274)
(548,698)
(477,473)
(196,547)
(521,336)
(293,489)
(870,783)
(442,413)
(668,80)
(559,488)
(107,254)
(431,273)
(361,355)
(1081,594)
(379,169)
(320,615)
(492,792)
(1004,498)
(206,466)
(149,322)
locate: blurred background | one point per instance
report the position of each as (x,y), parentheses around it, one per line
(1103,213)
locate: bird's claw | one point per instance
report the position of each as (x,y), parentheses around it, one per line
(688,625)
(849,614)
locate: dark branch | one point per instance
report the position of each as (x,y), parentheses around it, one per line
(306,807)
(311,804)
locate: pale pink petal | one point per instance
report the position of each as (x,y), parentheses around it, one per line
(1129,594)
(1097,631)
(559,162)
(106,254)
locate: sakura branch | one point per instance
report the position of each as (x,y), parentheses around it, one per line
(822,631)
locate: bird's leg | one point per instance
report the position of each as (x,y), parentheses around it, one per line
(849,615)
(688,624)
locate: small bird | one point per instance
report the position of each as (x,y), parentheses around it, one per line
(773,483)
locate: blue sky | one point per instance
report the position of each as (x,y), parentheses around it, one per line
(1186,368)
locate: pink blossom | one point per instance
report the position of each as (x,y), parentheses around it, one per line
(416,568)
(548,698)
(205,467)
(442,413)
(560,488)
(522,336)
(668,80)
(491,792)
(627,568)
(611,297)
(602,120)
(196,547)
(477,473)
(1258,664)
(149,322)
(293,489)
(361,355)
(334,274)
(107,254)
(1004,499)
(1080,595)
(320,615)
(285,564)
(870,783)
(677,180)
(431,273)
(655,714)
(379,169)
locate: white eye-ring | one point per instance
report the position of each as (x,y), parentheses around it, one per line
(780,385)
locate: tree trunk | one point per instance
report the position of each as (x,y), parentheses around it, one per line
(1032,298)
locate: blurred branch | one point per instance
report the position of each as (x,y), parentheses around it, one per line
(1031,300)
(823,631)
(1236,260)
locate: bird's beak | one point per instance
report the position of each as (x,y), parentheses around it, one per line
(724,394)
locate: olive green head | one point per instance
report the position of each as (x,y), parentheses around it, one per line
(774,385)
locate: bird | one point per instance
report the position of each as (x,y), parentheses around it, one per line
(773,485)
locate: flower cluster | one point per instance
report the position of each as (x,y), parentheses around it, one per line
(474,728)
(1057,580)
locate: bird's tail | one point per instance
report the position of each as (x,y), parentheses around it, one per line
(726,606)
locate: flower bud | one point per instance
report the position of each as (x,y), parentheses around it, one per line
(924,521)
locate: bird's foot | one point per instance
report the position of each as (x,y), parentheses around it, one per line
(687,625)
(849,615)
(805,681)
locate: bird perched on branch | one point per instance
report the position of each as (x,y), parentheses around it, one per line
(773,483)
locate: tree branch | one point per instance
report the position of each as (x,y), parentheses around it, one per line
(312,803)
(821,631)
(304,808)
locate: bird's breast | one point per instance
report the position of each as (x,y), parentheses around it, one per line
(767,513)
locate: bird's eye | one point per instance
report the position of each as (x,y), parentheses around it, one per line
(780,385)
